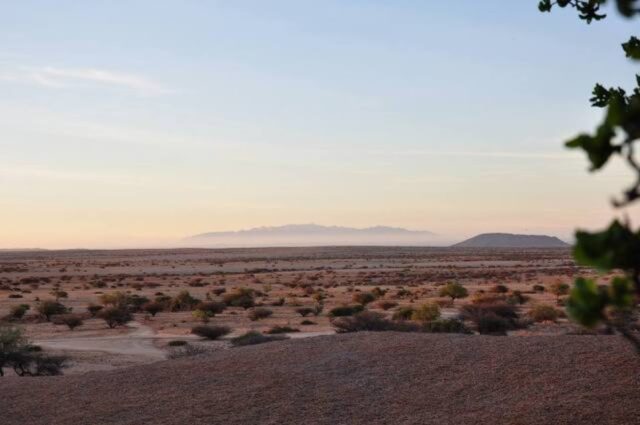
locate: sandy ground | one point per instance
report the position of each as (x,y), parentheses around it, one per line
(364,378)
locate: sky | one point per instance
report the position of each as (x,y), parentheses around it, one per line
(142,122)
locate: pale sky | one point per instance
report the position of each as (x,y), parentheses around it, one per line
(137,123)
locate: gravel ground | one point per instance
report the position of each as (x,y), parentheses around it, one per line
(364,378)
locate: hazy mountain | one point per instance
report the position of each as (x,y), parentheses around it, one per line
(508,240)
(314,235)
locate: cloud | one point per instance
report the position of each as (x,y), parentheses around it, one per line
(53,77)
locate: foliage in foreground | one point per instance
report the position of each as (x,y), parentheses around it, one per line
(26,359)
(618,246)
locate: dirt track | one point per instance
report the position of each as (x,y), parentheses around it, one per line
(367,378)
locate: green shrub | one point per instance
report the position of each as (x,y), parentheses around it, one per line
(426,312)
(491,324)
(403,313)
(72,321)
(115,316)
(446,326)
(252,338)
(50,308)
(183,302)
(453,291)
(210,332)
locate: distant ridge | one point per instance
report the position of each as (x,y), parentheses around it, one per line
(509,240)
(314,234)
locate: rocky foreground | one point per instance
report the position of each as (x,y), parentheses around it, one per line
(364,378)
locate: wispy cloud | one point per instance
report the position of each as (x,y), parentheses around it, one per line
(54,77)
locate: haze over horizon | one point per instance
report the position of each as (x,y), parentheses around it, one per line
(142,123)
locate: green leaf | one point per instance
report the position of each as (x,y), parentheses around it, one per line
(617,247)
(586,302)
(545,6)
(622,293)
(632,48)
(597,147)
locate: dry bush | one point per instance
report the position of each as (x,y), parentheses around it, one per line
(544,313)
(387,305)
(259,313)
(403,313)
(370,321)
(281,330)
(346,310)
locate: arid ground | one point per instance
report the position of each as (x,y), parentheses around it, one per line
(545,370)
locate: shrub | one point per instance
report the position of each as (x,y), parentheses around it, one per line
(183,302)
(491,324)
(186,350)
(346,310)
(446,326)
(304,311)
(153,308)
(177,343)
(115,316)
(252,338)
(387,305)
(281,330)
(307,323)
(538,288)
(364,298)
(50,308)
(544,313)
(18,311)
(426,312)
(370,321)
(202,315)
(26,359)
(403,313)
(211,307)
(242,297)
(517,298)
(114,299)
(72,321)
(259,313)
(210,332)
(453,291)
(493,319)
(500,289)
(94,309)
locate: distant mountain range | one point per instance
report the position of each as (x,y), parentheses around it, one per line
(313,235)
(508,240)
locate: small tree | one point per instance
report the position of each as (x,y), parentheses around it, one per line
(153,308)
(115,316)
(211,307)
(25,359)
(72,321)
(454,290)
(183,302)
(50,308)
